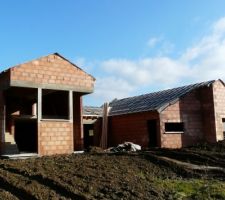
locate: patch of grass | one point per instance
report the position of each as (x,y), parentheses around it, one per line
(198,189)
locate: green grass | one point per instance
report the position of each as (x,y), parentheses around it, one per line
(193,189)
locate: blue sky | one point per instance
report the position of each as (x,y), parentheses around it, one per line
(131,46)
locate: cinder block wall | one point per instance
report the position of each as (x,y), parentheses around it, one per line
(55,137)
(219,107)
(187,110)
(130,128)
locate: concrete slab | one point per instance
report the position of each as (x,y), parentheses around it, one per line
(20,156)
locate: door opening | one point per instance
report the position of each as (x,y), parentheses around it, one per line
(88,135)
(152,132)
(26,135)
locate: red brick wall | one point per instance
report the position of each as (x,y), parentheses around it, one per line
(52,70)
(130,128)
(187,110)
(208,115)
(97,131)
(77,122)
(219,106)
(2,118)
(4,80)
(55,137)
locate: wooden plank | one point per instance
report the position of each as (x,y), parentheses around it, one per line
(104,136)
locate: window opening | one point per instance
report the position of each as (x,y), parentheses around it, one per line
(55,104)
(174,127)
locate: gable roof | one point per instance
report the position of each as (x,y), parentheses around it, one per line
(49,72)
(156,101)
(57,54)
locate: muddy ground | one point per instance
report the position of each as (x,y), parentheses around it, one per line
(143,175)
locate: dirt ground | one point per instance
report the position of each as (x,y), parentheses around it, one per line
(96,175)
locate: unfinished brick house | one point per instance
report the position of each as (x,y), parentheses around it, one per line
(41,106)
(171,118)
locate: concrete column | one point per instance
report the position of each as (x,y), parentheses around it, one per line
(39,106)
(71,106)
(39,116)
(34,109)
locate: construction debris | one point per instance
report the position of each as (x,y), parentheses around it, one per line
(125,147)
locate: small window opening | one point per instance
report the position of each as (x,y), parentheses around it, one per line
(174,127)
(55,104)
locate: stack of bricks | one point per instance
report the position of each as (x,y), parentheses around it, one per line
(52,70)
(55,137)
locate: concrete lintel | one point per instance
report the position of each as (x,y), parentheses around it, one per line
(30,84)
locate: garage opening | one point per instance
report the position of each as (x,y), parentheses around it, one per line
(26,135)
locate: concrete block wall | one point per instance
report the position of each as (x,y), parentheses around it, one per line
(188,111)
(130,128)
(219,107)
(55,137)
(52,71)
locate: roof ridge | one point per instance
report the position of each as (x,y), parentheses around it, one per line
(160,91)
(155,101)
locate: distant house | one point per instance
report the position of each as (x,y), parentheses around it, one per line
(41,106)
(171,118)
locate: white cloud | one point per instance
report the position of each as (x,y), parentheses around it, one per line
(84,64)
(146,71)
(164,46)
(109,88)
(153,41)
(205,60)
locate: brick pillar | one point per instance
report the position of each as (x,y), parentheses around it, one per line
(77,122)
(2,120)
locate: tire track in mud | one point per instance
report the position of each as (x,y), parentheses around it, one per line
(44,182)
(5,194)
(8,185)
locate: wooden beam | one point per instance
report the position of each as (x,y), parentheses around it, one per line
(104,136)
